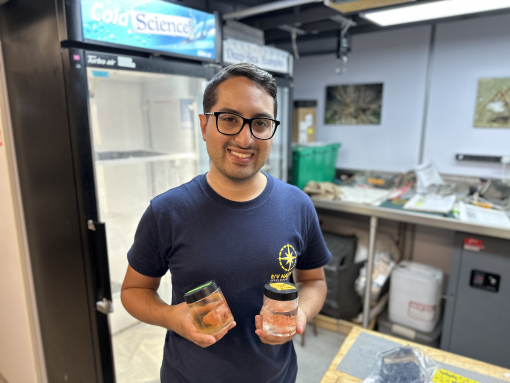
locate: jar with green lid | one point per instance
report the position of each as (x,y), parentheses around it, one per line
(280,309)
(208,308)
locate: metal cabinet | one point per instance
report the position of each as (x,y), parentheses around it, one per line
(477,317)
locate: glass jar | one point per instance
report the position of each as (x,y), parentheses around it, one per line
(280,309)
(208,308)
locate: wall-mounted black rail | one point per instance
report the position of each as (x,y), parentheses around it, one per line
(478,158)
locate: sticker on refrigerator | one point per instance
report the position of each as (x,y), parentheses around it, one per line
(187,110)
(96,60)
(421,312)
(100,73)
(126,62)
(151,25)
(473,244)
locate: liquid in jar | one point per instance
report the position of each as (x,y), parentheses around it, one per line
(280,309)
(208,308)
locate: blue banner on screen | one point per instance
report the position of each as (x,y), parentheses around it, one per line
(150,24)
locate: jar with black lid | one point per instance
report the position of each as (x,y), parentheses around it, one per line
(208,308)
(280,309)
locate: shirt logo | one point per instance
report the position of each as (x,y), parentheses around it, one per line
(288,260)
(287,257)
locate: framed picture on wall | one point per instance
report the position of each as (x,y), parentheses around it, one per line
(493,103)
(354,104)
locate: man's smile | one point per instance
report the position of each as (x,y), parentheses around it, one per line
(242,155)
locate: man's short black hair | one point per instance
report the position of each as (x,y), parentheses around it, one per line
(250,71)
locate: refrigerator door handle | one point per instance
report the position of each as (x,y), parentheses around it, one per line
(105,306)
(91,225)
(100,268)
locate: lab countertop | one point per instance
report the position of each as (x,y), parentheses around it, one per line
(333,375)
(408,216)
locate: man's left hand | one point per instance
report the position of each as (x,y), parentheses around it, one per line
(274,340)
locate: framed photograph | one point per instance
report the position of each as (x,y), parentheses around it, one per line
(493,103)
(355,104)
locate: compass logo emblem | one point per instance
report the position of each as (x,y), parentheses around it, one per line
(287,257)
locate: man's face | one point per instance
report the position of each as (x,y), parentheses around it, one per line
(238,157)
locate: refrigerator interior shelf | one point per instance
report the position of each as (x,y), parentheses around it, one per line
(138,156)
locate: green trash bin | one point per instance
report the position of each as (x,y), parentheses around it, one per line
(313,162)
(303,162)
(330,162)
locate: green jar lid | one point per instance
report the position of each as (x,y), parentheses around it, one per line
(281,291)
(200,292)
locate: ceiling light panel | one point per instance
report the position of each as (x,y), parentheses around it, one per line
(362,5)
(433,11)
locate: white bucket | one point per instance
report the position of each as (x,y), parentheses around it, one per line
(415,295)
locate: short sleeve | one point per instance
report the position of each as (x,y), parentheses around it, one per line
(316,253)
(145,256)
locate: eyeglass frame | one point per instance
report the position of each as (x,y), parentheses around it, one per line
(245,121)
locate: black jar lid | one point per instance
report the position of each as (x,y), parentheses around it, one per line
(200,292)
(282,291)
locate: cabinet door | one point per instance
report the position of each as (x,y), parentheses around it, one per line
(482,317)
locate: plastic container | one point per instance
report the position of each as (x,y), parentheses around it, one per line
(403,365)
(208,308)
(415,295)
(430,339)
(313,162)
(280,309)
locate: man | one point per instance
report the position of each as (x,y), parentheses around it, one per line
(237,226)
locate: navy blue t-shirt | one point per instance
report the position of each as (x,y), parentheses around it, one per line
(198,235)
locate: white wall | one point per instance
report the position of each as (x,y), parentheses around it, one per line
(466,51)
(20,348)
(399,60)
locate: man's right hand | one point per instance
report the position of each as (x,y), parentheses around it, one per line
(140,298)
(182,323)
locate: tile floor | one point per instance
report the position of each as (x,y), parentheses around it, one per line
(138,353)
(316,356)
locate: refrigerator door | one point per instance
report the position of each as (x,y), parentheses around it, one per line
(277,163)
(135,134)
(146,137)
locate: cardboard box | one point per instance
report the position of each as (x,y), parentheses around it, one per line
(305,114)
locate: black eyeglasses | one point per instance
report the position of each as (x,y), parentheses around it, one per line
(231,124)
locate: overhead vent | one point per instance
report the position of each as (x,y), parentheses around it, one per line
(350,6)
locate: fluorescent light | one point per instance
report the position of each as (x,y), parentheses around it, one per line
(435,10)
